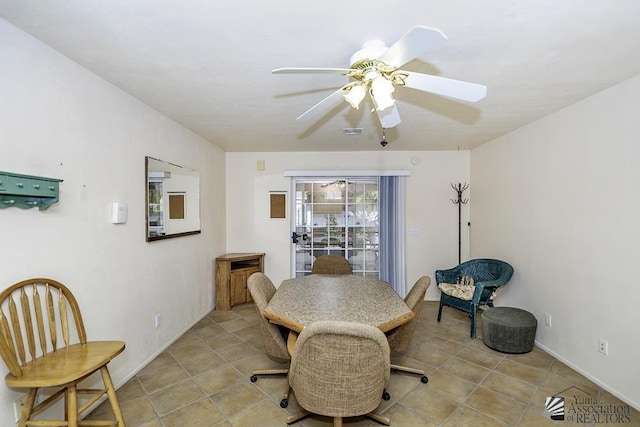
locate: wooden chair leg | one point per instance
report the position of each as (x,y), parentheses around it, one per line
(113,398)
(27,409)
(337,421)
(72,406)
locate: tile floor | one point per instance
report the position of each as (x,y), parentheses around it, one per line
(203,380)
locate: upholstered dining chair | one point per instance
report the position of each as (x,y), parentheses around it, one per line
(331,264)
(400,337)
(472,284)
(276,339)
(44,345)
(340,369)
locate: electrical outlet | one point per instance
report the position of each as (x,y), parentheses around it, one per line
(547,319)
(18,404)
(156,319)
(603,346)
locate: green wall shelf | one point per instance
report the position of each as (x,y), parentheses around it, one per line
(27,191)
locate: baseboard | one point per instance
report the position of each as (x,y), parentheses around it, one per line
(606,387)
(164,347)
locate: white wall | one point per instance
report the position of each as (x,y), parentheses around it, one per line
(58,120)
(559,200)
(430,211)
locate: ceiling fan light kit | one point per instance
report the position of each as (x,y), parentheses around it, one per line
(375,69)
(355,95)
(381,90)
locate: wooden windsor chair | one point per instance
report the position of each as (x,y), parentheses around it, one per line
(44,345)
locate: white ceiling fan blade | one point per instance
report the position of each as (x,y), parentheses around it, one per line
(325,105)
(413,44)
(457,89)
(297,70)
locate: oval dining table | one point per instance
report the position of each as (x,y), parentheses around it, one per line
(303,300)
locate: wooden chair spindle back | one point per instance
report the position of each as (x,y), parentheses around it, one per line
(24,313)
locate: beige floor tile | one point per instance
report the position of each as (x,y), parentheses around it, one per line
(163,361)
(138,412)
(465,369)
(158,380)
(264,414)
(465,328)
(428,355)
(223,316)
(203,380)
(402,416)
(237,398)
(535,418)
(568,386)
(427,403)
(400,384)
(235,324)
(187,338)
(441,344)
(468,417)
(274,386)
(226,339)
(248,333)
(257,361)
(455,387)
(175,397)
(182,353)
(199,364)
(130,391)
(634,415)
(235,352)
(480,357)
(496,406)
(522,372)
(478,344)
(202,413)
(507,386)
(218,379)
(457,335)
(212,330)
(535,358)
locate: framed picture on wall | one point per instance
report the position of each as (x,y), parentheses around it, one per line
(177,205)
(277,205)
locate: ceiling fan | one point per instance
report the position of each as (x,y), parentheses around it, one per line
(375,70)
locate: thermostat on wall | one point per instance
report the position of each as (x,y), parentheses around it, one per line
(118,213)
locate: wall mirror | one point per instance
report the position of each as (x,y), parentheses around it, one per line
(173,200)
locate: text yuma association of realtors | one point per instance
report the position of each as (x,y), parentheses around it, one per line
(589,410)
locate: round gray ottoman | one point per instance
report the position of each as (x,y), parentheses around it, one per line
(509,329)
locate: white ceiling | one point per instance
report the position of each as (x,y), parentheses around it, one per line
(207,63)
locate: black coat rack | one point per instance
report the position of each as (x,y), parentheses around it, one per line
(460,188)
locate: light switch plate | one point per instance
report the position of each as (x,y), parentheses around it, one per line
(118,213)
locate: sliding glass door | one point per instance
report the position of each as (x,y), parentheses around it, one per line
(336,215)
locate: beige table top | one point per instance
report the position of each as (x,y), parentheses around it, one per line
(301,301)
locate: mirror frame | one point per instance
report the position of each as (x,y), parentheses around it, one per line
(146,209)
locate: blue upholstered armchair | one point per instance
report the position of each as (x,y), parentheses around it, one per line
(472,284)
